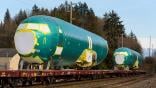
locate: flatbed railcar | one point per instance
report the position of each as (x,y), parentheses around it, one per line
(47,41)
(15,78)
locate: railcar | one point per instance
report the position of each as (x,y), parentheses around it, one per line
(27,78)
(48,40)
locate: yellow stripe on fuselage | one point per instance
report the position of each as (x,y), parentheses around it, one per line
(44,28)
(121,53)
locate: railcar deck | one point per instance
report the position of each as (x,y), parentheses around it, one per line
(15,78)
(43,73)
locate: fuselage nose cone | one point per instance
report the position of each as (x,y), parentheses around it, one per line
(119,59)
(24,42)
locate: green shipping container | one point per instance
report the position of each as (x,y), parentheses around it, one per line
(39,38)
(128,58)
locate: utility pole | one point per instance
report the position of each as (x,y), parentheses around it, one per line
(71,12)
(122,39)
(150,47)
(152,50)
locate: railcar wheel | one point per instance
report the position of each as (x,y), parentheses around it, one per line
(45,81)
(53,80)
(0,82)
(24,82)
(48,80)
(12,82)
(78,78)
(5,83)
(30,82)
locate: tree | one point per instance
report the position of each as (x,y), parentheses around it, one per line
(44,11)
(35,10)
(1,27)
(132,42)
(149,64)
(113,30)
(7,17)
(11,33)
(9,30)
(132,35)
(20,16)
(85,17)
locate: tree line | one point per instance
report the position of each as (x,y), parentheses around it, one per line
(110,26)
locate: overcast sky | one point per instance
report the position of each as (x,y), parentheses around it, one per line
(138,16)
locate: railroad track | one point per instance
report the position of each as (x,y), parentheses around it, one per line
(66,83)
(131,81)
(116,82)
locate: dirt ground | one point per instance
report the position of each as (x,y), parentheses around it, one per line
(146,83)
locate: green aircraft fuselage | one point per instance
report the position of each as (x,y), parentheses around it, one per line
(40,37)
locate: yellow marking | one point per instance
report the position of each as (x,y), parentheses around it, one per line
(44,28)
(136,64)
(32,26)
(35,38)
(25,30)
(37,44)
(87,58)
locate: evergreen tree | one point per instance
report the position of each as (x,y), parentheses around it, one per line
(20,16)
(1,29)
(132,36)
(1,26)
(85,17)
(35,10)
(9,30)
(113,29)
(132,42)
(7,17)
